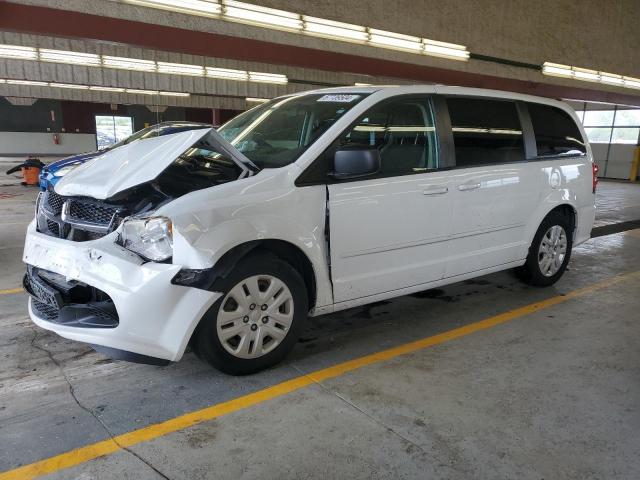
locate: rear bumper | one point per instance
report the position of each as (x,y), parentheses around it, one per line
(155,317)
(584,224)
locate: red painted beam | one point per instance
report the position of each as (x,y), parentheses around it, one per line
(62,23)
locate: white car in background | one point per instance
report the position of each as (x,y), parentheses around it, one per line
(309,204)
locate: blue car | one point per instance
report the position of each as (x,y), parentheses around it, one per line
(53,172)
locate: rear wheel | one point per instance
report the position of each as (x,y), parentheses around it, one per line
(259,318)
(550,251)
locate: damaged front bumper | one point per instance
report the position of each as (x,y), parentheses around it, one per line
(102,294)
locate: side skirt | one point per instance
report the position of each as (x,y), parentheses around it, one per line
(356,302)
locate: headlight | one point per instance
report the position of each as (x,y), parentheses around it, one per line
(64,170)
(150,237)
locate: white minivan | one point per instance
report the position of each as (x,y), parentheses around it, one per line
(308,204)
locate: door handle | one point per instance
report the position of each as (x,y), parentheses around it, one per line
(435,191)
(468,186)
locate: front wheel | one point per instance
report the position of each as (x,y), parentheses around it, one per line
(259,318)
(550,251)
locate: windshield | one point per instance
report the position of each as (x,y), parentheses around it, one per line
(275,134)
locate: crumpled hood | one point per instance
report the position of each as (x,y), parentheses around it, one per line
(127,166)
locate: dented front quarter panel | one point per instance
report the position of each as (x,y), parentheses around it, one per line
(208,223)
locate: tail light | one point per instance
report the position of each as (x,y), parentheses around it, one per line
(594,181)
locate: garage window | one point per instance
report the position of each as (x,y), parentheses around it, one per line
(111,129)
(617,125)
(485,131)
(555,131)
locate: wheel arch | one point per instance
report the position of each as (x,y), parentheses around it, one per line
(568,211)
(543,210)
(283,249)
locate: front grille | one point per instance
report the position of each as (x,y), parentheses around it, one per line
(54,202)
(77,218)
(92,212)
(53,227)
(70,303)
(42,310)
(104,315)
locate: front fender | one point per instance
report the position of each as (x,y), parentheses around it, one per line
(209,223)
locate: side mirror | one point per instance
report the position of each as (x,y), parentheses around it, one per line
(354,163)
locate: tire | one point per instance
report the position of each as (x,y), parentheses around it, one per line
(550,251)
(263,335)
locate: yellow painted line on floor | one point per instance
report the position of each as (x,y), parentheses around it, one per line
(106,447)
(11,290)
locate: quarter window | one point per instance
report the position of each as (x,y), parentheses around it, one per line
(485,131)
(555,131)
(403,131)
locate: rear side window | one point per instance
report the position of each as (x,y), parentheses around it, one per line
(555,131)
(485,131)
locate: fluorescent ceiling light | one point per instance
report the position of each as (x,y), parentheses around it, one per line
(234,11)
(399,41)
(18,52)
(446,50)
(136,64)
(106,89)
(227,73)
(411,129)
(370,128)
(174,94)
(470,129)
(586,74)
(358,84)
(611,78)
(74,58)
(262,16)
(556,69)
(505,131)
(69,85)
(267,77)
(98,88)
(180,69)
(256,100)
(27,82)
(209,8)
(334,30)
(141,92)
(125,63)
(632,82)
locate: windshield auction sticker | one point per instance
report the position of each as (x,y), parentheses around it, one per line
(338,97)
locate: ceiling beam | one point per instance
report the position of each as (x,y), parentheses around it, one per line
(63,23)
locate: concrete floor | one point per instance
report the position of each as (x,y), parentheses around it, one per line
(617,202)
(552,394)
